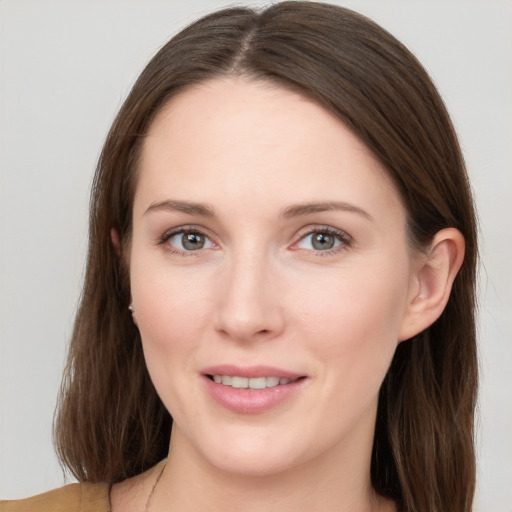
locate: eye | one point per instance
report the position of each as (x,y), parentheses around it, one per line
(326,239)
(187,240)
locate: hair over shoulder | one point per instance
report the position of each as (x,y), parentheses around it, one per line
(111,424)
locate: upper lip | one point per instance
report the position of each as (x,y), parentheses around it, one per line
(250,371)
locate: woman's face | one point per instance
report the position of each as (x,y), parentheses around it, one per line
(270,274)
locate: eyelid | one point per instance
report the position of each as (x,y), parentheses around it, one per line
(345,239)
(167,235)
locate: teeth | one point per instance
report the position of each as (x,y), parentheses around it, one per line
(272,381)
(239,382)
(258,383)
(253,383)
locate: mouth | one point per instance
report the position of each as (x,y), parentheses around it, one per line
(254,383)
(252,389)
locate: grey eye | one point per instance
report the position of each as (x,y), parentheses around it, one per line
(323,241)
(190,241)
(320,241)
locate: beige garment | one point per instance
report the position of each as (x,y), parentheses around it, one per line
(70,498)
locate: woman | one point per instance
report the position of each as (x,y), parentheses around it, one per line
(282,260)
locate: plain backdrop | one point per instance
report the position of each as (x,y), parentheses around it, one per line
(65,68)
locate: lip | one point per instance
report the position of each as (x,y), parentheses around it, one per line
(252,401)
(250,371)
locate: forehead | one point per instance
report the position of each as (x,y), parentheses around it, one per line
(241,138)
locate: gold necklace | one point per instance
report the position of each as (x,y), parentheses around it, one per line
(146,508)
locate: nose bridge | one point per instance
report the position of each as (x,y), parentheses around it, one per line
(249,304)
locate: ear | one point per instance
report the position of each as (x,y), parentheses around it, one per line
(432,282)
(114,237)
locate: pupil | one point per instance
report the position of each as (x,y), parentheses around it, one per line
(322,241)
(193,241)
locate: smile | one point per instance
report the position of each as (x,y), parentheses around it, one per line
(252,389)
(250,383)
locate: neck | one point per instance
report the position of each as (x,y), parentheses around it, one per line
(189,483)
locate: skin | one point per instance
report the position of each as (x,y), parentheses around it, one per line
(259,292)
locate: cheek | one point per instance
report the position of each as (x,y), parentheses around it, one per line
(167,297)
(354,321)
(358,300)
(353,333)
(171,311)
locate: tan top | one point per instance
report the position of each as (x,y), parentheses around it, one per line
(70,498)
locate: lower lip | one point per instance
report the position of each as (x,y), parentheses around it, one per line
(252,401)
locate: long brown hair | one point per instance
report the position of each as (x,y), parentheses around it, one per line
(111,423)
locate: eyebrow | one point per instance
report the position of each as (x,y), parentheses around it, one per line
(188,207)
(299,209)
(294,210)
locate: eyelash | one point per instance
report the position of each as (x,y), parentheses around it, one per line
(345,240)
(176,231)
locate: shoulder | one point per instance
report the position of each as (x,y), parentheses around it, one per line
(70,498)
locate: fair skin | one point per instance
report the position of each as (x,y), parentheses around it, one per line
(265,234)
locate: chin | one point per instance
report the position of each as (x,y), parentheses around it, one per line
(253,453)
(257,464)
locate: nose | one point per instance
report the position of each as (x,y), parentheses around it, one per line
(250,303)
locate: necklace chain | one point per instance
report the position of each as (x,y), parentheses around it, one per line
(146,508)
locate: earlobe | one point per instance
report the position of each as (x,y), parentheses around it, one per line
(131,308)
(116,243)
(433,278)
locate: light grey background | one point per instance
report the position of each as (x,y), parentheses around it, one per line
(65,67)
